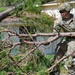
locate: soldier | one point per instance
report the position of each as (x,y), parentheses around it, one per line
(66,24)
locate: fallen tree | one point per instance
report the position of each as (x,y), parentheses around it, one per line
(10,45)
(53,36)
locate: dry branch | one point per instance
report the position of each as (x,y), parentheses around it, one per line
(13,33)
(64,57)
(31,51)
(50,34)
(71,34)
(37,44)
(51,39)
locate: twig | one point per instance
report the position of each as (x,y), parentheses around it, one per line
(64,57)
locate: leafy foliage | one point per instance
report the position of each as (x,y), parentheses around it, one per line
(41,22)
(36,63)
(2,9)
(27,2)
(28,5)
(37,67)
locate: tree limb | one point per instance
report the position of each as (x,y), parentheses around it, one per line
(8,11)
(64,57)
(64,34)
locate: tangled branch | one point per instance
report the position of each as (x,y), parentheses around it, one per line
(10,45)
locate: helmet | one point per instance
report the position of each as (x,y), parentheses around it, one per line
(65,6)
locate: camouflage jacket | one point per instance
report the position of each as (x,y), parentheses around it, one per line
(66,25)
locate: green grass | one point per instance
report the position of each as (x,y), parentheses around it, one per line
(50,56)
(2,9)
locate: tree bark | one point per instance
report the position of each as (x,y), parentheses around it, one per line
(7,12)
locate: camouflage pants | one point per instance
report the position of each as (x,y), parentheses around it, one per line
(71,47)
(62,49)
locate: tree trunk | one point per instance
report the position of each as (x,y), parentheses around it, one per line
(5,13)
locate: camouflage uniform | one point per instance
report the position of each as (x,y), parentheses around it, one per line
(68,46)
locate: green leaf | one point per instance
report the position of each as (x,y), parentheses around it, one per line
(3,73)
